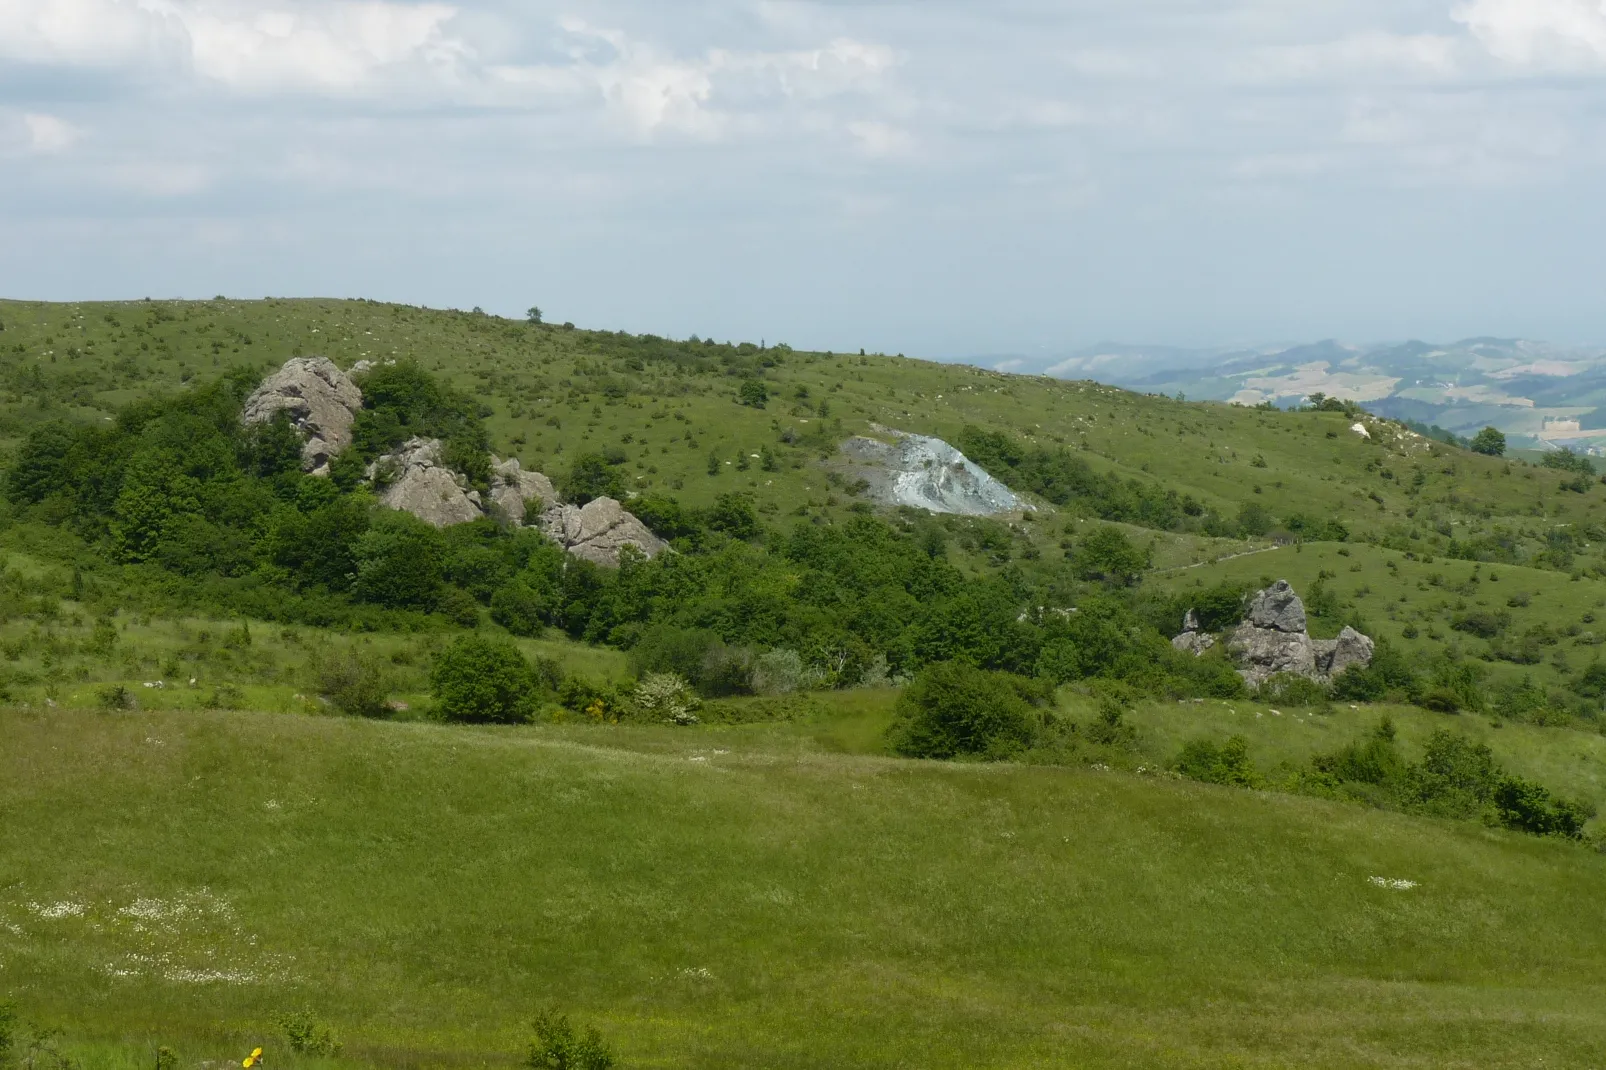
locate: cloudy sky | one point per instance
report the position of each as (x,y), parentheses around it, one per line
(943,177)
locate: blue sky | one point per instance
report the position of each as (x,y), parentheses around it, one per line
(940,178)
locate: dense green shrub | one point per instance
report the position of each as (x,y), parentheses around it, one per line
(483,680)
(1528,807)
(398,562)
(353,682)
(953,709)
(1106,553)
(1228,763)
(1061,477)
(559,1046)
(592,475)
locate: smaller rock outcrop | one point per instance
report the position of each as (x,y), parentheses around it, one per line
(321,401)
(598,530)
(1333,656)
(1273,639)
(1193,640)
(514,490)
(416,482)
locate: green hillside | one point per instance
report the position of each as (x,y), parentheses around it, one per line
(732,898)
(199,844)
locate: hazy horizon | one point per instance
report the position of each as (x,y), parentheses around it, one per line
(944,180)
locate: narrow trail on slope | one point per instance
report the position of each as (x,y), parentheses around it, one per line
(1216,561)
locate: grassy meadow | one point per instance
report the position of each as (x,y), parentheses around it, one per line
(719,897)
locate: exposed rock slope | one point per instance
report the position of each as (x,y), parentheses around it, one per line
(321,400)
(927,473)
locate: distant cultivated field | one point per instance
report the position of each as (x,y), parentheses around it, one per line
(737,898)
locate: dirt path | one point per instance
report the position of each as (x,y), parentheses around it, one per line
(1217,561)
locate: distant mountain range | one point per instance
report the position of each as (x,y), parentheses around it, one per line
(1542,396)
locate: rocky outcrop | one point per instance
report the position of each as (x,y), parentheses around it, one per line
(321,401)
(1193,640)
(415,481)
(927,473)
(1273,639)
(1333,656)
(515,491)
(598,530)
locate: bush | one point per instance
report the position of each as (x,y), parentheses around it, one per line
(953,709)
(398,562)
(1292,689)
(485,681)
(520,608)
(353,683)
(557,1046)
(666,696)
(1490,442)
(1107,554)
(307,1035)
(115,697)
(593,475)
(1528,807)
(1227,764)
(8,1033)
(1455,776)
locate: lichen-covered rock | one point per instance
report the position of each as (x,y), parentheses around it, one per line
(598,530)
(514,490)
(1333,656)
(417,483)
(1265,652)
(1277,608)
(321,401)
(1195,643)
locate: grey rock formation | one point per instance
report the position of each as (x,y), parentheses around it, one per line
(1195,643)
(1193,640)
(1264,652)
(321,400)
(1277,608)
(598,531)
(927,473)
(1333,656)
(417,483)
(514,490)
(1273,639)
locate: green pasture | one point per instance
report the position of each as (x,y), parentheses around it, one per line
(726,897)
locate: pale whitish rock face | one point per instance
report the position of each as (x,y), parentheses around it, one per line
(322,403)
(427,490)
(597,531)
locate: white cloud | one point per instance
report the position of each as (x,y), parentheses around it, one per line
(48,134)
(289,45)
(1539,33)
(881,139)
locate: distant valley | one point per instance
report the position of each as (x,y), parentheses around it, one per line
(1542,396)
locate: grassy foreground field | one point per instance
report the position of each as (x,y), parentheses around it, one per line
(738,898)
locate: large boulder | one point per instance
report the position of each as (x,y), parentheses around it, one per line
(321,401)
(1333,656)
(1193,639)
(416,482)
(598,530)
(514,490)
(1277,608)
(1265,652)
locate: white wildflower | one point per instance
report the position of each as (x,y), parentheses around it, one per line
(1393,884)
